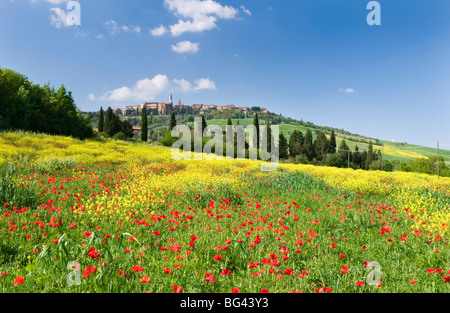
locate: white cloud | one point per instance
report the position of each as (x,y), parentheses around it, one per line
(112,26)
(199,84)
(197,15)
(147,89)
(144,90)
(158,31)
(59,18)
(204,84)
(347,90)
(245,10)
(183,85)
(185,47)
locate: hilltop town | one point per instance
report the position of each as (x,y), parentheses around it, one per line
(166,108)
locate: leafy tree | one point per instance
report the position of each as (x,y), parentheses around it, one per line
(144,125)
(127,129)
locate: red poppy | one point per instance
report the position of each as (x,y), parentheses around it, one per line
(264,291)
(137,268)
(235,290)
(412,281)
(288,271)
(344,269)
(446,279)
(93,254)
(218,257)
(19,281)
(87,234)
(177,289)
(145,279)
(359,283)
(225,272)
(88,271)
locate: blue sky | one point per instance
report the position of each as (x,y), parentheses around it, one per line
(314,60)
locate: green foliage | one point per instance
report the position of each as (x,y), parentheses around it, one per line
(120,136)
(27,106)
(173,121)
(308,146)
(321,146)
(101,121)
(283,149)
(296,142)
(256,124)
(144,125)
(332,143)
(343,152)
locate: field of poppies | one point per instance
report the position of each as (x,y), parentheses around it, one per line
(111,216)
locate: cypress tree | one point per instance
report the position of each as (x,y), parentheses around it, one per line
(108,125)
(229,123)
(256,124)
(296,142)
(308,146)
(283,150)
(344,153)
(100,121)
(204,124)
(173,121)
(321,146)
(144,125)
(356,157)
(332,145)
(370,155)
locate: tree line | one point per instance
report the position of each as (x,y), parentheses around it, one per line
(110,125)
(31,107)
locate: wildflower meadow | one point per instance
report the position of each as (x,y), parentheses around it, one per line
(113,216)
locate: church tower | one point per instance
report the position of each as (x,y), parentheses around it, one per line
(170,98)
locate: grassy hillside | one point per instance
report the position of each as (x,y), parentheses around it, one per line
(392,151)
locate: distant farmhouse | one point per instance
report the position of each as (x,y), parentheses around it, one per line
(166,108)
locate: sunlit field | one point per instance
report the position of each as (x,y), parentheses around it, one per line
(112,216)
